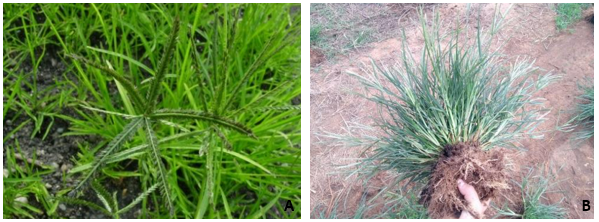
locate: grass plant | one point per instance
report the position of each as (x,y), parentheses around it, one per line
(24,182)
(583,119)
(174,114)
(568,13)
(534,188)
(110,204)
(585,110)
(453,92)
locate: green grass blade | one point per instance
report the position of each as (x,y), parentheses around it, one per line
(79,202)
(157,159)
(138,199)
(191,114)
(137,99)
(166,56)
(129,59)
(105,197)
(266,208)
(247,159)
(128,132)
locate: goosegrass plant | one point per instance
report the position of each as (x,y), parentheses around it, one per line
(237,62)
(534,187)
(453,91)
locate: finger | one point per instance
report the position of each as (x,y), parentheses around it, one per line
(471,197)
(468,191)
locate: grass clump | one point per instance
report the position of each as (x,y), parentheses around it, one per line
(583,119)
(534,188)
(568,13)
(24,195)
(455,94)
(586,112)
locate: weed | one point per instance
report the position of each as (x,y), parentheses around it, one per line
(232,63)
(568,13)
(534,189)
(110,205)
(147,114)
(408,207)
(22,186)
(455,95)
(584,114)
(315,34)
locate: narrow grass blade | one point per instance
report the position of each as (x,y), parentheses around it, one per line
(160,73)
(156,158)
(138,199)
(79,202)
(109,112)
(266,208)
(191,114)
(104,196)
(126,83)
(129,59)
(247,159)
(119,140)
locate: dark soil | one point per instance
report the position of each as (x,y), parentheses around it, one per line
(481,169)
(58,151)
(316,57)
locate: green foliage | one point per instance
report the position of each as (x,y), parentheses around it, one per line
(456,92)
(534,188)
(408,207)
(568,13)
(226,153)
(147,106)
(24,181)
(110,205)
(315,34)
(584,114)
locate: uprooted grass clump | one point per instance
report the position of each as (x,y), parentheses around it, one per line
(444,111)
(481,169)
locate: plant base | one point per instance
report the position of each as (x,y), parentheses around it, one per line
(481,169)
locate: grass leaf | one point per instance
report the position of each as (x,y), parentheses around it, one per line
(126,83)
(160,73)
(191,114)
(128,132)
(154,153)
(247,159)
(139,199)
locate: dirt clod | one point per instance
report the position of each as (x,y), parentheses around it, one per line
(481,169)
(316,57)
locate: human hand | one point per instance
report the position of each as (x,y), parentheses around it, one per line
(472,200)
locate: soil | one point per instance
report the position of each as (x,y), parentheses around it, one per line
(59,151)
(481,169)
(531,33)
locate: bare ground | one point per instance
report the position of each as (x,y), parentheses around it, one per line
(531,33)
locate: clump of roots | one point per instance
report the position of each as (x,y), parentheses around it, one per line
(481,169)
